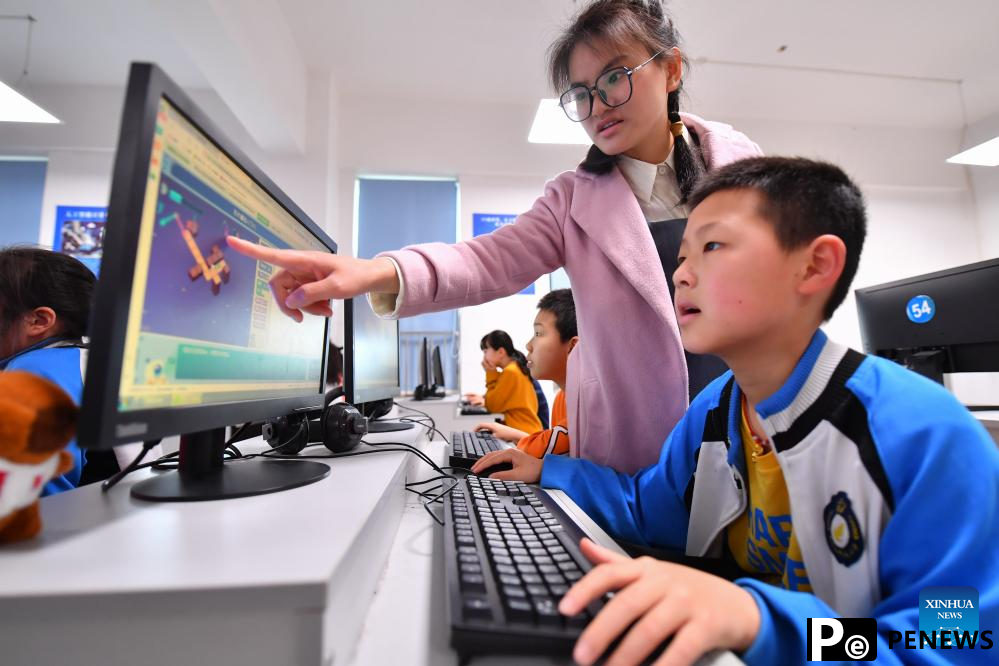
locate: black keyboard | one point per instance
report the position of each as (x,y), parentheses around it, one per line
(468,409)
(510,554)
(467,447)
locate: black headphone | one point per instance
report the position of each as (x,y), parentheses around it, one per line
(340,428)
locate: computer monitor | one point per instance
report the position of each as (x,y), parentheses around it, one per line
(943,322)
(438,368)
(185,335)
(371,363)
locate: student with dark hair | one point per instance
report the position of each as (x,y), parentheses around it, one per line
(838,484)
(619,70)
(509,386)
(548,352)
(45,301)
(334,367)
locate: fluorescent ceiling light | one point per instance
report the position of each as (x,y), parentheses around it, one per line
(16,108)
(552,126)
(984,154)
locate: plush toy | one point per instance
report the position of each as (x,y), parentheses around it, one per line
(37,419)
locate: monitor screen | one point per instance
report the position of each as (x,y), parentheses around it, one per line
(371,354)
(203,327)
(185,334)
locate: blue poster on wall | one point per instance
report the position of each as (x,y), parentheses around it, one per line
(486,223)
(79,232)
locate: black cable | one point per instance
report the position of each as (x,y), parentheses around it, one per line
(430,427)
(110,483)
(412,448)
(438,498)
(433,424)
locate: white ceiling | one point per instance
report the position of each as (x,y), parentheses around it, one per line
(886,62)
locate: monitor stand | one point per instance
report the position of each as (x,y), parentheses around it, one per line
(389,426)
(203,476)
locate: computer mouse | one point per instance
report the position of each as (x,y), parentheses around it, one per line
(498,467)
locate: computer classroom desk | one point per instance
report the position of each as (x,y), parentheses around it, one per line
(445,412)
(347,570)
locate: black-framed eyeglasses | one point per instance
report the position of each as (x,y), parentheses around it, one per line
(613,86)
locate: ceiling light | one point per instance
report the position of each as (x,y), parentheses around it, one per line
(551,125)
(984,154)
(16,108)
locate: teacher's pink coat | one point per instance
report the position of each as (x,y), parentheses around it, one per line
(627,380)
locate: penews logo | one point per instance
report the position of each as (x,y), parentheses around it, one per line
(842,639)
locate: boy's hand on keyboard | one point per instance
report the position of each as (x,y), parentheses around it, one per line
(504,432)
(655,601)
(307,280)
(526,467)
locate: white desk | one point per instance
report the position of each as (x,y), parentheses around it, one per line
(345,570)
(277,579)
(446,413)
(991,422)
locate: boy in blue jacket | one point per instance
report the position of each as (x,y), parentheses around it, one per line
(841,484)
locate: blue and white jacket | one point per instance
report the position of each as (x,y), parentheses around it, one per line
(907,475)
(63,362)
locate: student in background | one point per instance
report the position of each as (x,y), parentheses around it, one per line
(842,485)
(509,385)
(334,367)
(547,357)
(44,309)
(619,71)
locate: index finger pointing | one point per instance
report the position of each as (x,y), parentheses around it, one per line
(283,258)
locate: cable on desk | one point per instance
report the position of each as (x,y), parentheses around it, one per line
(110,483)
(165,462)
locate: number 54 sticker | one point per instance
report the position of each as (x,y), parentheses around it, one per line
(920,309)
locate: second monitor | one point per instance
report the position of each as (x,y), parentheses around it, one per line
(371,363)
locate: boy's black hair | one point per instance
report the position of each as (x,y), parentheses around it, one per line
(31,277)
(559,302)
(501,340)
(803,199)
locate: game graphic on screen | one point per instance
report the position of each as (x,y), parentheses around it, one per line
(204,327)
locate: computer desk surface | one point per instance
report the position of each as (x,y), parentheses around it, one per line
(282,578)
(345,570)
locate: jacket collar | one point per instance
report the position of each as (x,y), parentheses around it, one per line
(800,390)
(48,343)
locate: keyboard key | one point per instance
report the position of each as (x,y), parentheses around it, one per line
(547,612)
(519,610)
(473,583)
(477,608)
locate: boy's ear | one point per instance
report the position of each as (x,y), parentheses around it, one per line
(825,258)
(40,321)
(572,343)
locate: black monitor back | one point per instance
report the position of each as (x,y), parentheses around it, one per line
(438,367)
(951,312)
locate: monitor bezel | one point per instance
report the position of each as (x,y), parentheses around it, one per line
(101,424)
(350,358)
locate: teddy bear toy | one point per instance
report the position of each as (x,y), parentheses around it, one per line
(37,420)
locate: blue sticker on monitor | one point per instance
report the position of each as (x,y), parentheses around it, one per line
(920,309)
(949,609)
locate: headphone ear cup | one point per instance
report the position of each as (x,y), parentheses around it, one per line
(285,436)
(343,427)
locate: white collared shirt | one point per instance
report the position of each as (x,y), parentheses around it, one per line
(655,186)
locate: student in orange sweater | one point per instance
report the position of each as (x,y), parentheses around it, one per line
(509,389)
(547,357)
